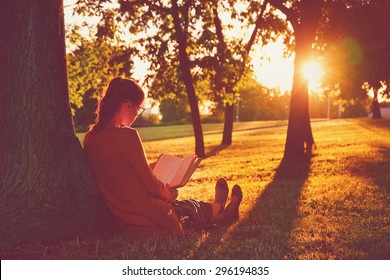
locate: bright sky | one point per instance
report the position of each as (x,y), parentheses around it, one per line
(273,70)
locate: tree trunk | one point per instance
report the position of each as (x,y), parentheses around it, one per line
(376,111)
(299,134)
(46,191)
(188,81)
(228,125)
(227,135)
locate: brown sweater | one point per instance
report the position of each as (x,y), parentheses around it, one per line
(137,199)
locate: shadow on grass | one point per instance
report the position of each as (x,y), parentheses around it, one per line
(264,232)
(368,221)
(383,124)
(215,150)
(376,168)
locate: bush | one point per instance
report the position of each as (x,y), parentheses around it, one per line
(146,120)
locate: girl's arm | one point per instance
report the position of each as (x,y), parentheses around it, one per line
(136,155)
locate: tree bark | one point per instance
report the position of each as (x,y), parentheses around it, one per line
(299,134)
(185,67)
(227,137)
(46,190)
(376,111)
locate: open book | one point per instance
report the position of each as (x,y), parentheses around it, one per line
(175,171)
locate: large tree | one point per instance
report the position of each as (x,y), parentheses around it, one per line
(304,17)
(181,24)
(46,191)
(224,58)
(232,57)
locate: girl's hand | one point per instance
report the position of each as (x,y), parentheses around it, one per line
(174,193)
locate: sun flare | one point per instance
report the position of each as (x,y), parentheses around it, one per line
(314,73)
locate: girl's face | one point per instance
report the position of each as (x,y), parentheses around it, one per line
(129,112)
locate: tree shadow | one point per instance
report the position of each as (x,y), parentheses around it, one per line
(215,150)
(264,232)
(379,126)
(371,230)
(376,167)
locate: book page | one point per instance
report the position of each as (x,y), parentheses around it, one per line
(195,163)
(183,169)
(166,167)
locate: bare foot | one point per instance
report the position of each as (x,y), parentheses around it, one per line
(232,209)
(231,212)
(221,194)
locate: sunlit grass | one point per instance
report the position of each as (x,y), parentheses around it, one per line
(334,205)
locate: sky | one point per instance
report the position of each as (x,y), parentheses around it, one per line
(275,70)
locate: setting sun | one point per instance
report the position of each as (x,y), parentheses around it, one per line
(314,73)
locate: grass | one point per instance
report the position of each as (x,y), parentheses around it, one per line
(334,205)
(179,131)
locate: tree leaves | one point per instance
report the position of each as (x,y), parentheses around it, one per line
(356,43)
(92,63)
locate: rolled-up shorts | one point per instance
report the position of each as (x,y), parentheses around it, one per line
(193,213)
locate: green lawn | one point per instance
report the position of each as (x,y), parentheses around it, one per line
(334,205)
(179,131)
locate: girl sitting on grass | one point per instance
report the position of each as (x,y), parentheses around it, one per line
(139,202)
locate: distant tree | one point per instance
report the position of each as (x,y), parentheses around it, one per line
(258,102)
(46,190)
(174,110)
(251,100)
(85,115)
(356,40)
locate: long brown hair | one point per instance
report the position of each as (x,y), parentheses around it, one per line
(119,91)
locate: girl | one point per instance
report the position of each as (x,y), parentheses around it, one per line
(139,202)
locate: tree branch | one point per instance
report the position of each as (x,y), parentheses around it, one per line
(187,6)
(219,31)
(291,17)
(258,23)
